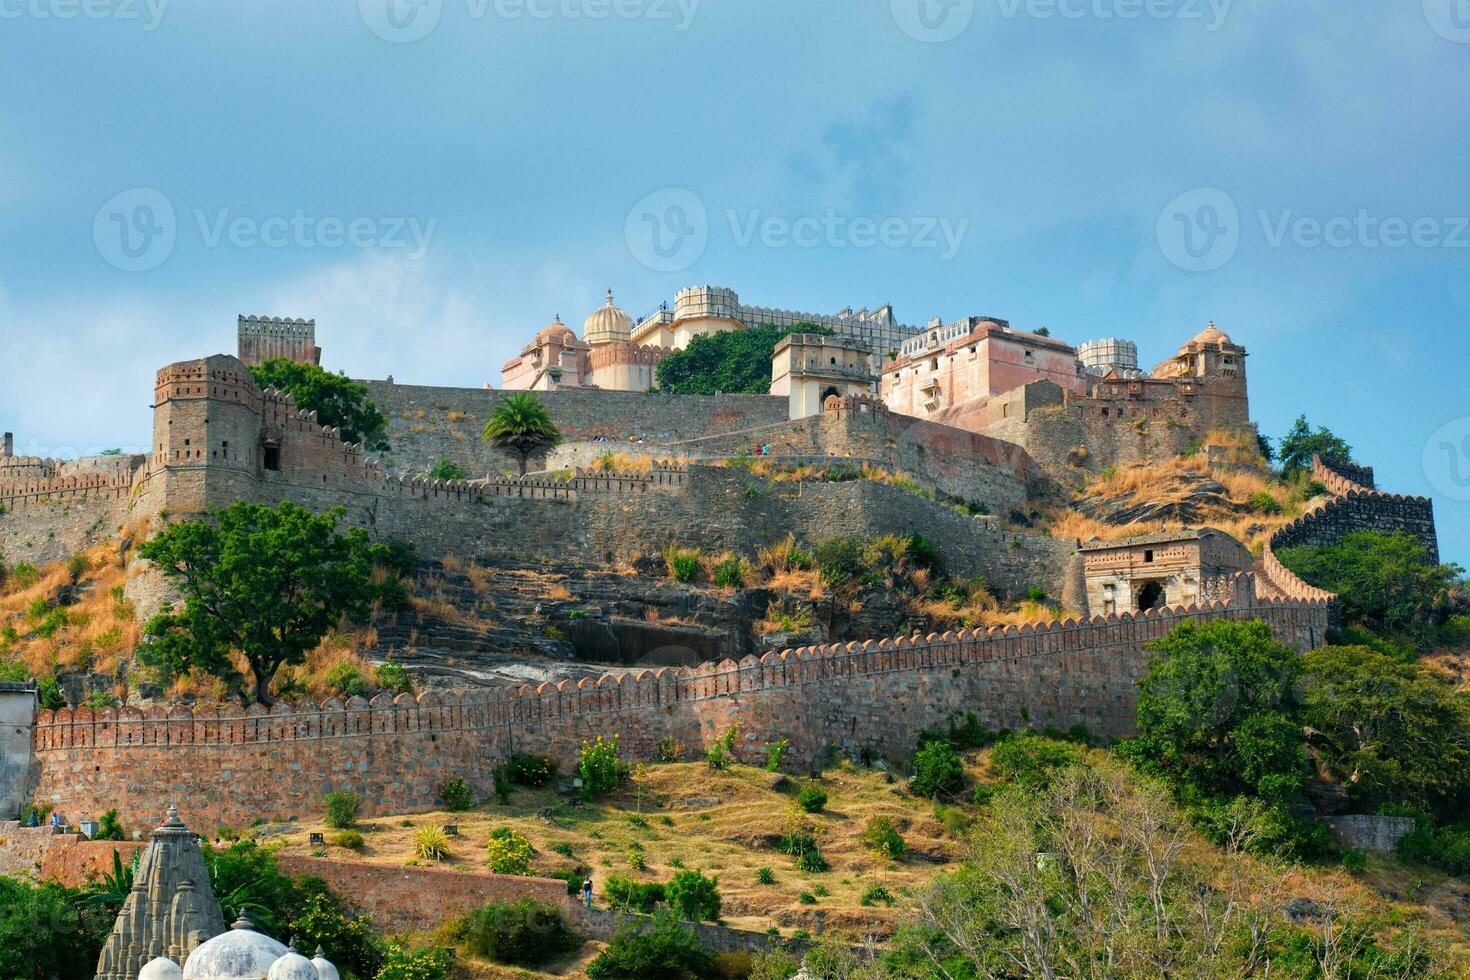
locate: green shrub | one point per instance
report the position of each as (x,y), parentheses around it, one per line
(508,852)
(109,827)
(812,862)
(523,933)
(840,561)
(721,755)
(431,843)
(350,839)
(48,694)
(531,770)
(683,563)
(1354,862)
(806,898)
(765,876)
(345,679)
(937,770)
(774,753)
(402,962)
(393,677)
(666,949)
(633,896)
(447,470)
(882,838)
(1264,503)
(812,798)
(1031,760)
(874,894)
(730,572)
(600,768)
(342,808)
(574,880)
(691,895)
(456,795)
(1444,847)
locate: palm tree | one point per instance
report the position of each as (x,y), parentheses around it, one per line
(522,426)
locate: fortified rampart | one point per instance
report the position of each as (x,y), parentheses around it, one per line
(234,766)
(427,424)
(1354,504)
(52,509)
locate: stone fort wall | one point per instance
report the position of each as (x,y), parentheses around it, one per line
(234,765)
(427,424)
(53,509)
(1353,504)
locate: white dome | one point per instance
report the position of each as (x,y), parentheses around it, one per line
(292,966)
(607,325)
(162,968)
(239,954)
(324,970)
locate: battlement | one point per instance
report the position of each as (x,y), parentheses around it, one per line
(264,338)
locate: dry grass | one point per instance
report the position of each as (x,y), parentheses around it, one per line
(559,593)
(788,569)
(723,822)
(97,632)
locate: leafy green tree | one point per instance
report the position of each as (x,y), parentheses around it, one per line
(49,930)
(266,582)
(522,427)
(1391,732)
(735,361)
(524,932)
(937,770)
(693,896)
(1300,443)
(664,949)
(1218,713)
(338,401)
(1385,583)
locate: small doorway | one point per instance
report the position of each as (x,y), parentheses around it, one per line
(1150,596)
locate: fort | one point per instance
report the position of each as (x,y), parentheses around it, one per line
(219,439)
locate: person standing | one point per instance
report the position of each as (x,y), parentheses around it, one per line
(587,890)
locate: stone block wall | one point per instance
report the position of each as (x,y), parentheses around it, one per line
(427,424)
(1370,832)
(50,510)
(233,766)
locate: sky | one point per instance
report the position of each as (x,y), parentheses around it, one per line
(434,180)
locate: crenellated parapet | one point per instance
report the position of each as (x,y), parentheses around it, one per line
(1353,504)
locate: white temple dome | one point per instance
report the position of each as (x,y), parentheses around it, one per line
(292,966)
(324,969)
(607,325)
(161,968)
(239,954)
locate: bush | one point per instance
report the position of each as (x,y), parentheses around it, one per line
(812,862)
(874,894)
(403,963)
(730,572)
(666,949)
(840,561)
(937,771)
(736,361)
(1264,503)
(765,876)
(509,852)
(812,798)
(350,839)
(600,768)
(1031,760)
(774,753)
(521,933)
(721,755)
(345,679)
(1444,847)
(392,677)
(633,896)
(882,838)
(431,843)
(683,563)
(48,930)
(342,808)
(690,895)
(531,770)
(110,827)
(1354,862)
(456,795)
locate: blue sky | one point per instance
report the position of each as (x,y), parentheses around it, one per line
(1294,171)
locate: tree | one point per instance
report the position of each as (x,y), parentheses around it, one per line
(1384,582)
(522,427)
(1300,443)
(265,582)
(1391,732)
(1218,712)
(447,470)
(734,361)
(338,401)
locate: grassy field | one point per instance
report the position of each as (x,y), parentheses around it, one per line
(685,815)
